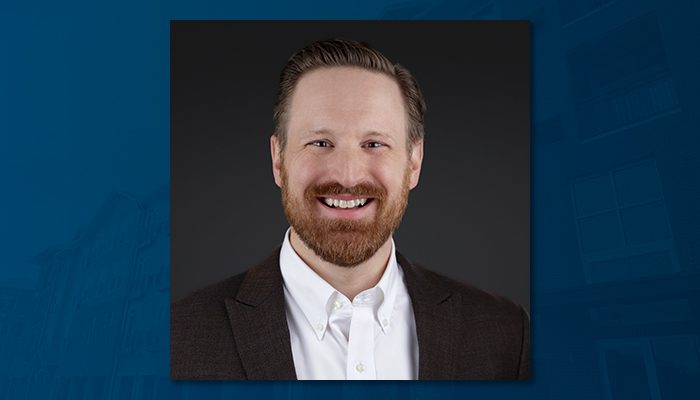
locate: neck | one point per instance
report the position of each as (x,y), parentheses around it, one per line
(347,280)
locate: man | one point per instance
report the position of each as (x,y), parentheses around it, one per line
(337,301)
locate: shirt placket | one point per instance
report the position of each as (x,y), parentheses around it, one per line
(360,361)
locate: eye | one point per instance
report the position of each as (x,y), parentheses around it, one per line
(320,143)
(374,145)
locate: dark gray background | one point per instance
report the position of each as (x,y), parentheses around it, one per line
(469,217)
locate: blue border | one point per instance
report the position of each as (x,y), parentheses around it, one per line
(84,163)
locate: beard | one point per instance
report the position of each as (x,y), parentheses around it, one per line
(343,242)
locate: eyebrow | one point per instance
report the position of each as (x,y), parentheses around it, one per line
(378,134)
(325,131)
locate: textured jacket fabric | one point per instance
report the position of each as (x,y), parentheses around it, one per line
(237,329)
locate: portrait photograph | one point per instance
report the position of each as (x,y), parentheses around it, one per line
(350,200)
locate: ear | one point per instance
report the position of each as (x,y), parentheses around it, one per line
(276,159)
(415,161)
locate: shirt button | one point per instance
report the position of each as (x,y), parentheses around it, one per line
(385,322)
(337,305)
(360,367)
(319,327)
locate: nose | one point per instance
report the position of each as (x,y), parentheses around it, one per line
(348,167)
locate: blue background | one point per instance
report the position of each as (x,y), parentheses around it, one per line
(84,161)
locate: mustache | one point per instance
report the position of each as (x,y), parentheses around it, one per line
(335,188)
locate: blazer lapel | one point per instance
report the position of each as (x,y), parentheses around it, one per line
(259,323)
(434,322)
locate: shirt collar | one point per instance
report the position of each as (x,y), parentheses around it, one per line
(315,296)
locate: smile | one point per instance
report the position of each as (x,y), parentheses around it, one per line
(345,203)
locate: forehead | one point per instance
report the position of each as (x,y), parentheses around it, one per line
(347,99)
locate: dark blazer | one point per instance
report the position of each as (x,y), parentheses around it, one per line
(237,329)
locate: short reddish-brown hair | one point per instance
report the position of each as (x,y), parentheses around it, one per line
(347,53)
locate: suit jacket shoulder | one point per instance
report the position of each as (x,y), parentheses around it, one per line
(201,340)
(235,329)
(465,333)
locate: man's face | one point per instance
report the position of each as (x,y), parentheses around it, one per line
(346,170)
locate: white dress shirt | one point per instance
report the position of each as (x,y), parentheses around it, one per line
(371,337)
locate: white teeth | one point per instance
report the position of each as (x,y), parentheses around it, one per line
(344,203)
